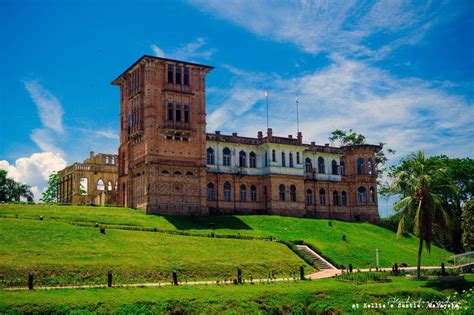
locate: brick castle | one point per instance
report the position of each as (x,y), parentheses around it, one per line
(168,164)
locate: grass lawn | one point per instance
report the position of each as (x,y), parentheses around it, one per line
(358,250)
(61,253)
(326,295)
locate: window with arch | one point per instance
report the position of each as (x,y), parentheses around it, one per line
(243,192)
(342,168)
(253,159)
(100,185)
(170,112)
(309,197)
(308,166)
(186,114)
(189,174)
(362,194)
(282,192)
(274,156)
(253,193)
(360,166)
(334,167)
(372,194)
(242,159)
(370,166)
(210,156)
(177,173)
(227,192)
(291,159)
(321,168)
(298,158)
(322,196)
(110,186)
(293,193)
(210,191)
(165,172)
(335,197)
(283,159)
(83,184)
(344,198)
(226,157)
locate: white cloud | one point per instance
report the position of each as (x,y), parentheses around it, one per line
(192,51)
(34,170)
(157,51)
(49,108)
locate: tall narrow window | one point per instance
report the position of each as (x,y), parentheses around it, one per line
(309,197)
(253,160)
(372,194)
(226,157)
(362,196)
(283,159)
(170,73)
(308,166)
(321,168)
(297,158)
(335,197)
(291,159)
(242,159)
(210,191)
(322,196)
(243,193)
(109,186)
(178,113)
(266,158)
(186,114)
(274,156)
(186,76)
(253,193)
(342,168)
(227,192)
(83,186)
(170,112)
(210,156)
(100,185)
(334,167)
(360,166)
(370,166)
(344,198)
(293,193)
(178,75)
(282,192)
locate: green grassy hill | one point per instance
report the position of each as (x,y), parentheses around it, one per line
(61,250)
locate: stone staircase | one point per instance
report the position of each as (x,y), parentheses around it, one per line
(323,263)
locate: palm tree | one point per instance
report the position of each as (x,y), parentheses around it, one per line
(419,181)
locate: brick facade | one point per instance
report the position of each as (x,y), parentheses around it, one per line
(168,164)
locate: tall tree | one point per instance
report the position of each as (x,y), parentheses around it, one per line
(418,183)
(50,195)
(13,191)
(467,224)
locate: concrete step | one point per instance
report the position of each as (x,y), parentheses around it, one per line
(323,263)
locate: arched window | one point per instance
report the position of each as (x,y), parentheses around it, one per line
(283,159)
(360,166)
(243,193)
(242,159)
(189,174)
(321,169)
(110,186)
(164,172)
(282,192)
(170,112)
(308,166)
(362,197)
(273,156)
(370,166)
(297,158)
(106,160)
(342,168)
(309,197)
(334,167)
(322,196)
(100,185)
(227,192)
(210,156)
(226,157)
(177,173)
(293,193)
(372,194)
(83,186)
(335,197)
(186,114)
(253,193)
(344,198)
(253,160)
(291,159)
(210,191)
(178,113)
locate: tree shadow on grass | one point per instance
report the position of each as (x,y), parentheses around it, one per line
(206,223)
(444,285)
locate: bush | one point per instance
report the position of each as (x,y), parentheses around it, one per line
(364,277)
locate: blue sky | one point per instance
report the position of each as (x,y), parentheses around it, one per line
(398,72)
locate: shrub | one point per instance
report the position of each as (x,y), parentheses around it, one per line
(363,277)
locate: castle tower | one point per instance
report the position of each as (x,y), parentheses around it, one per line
(162,153)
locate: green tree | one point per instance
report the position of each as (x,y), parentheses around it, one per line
(50,195)
(13,191)
(418,183)
(467,226)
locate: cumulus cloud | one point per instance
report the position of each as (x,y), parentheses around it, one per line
(191,51)
(157,51)
(34,170)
